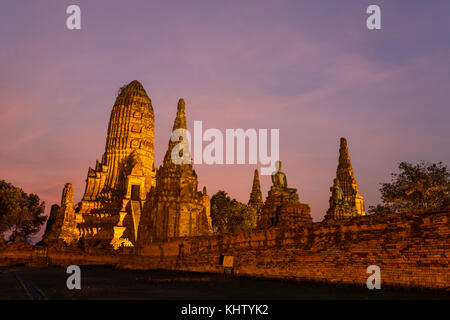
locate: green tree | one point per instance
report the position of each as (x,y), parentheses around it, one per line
(229,215)
(420,186)
(20,213)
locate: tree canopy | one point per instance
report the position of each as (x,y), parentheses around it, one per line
(229,215)
(416,186)
(20,212)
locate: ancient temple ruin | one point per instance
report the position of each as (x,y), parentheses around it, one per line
(175,207)
(62,224)
(345,200)
(256,199)
(127,202)
(282,207)
(124,186)
(117,188)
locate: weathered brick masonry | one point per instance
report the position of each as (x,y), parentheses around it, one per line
(412,250)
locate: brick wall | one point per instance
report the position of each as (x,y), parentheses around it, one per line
(412,250)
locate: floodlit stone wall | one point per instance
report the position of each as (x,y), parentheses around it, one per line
(412,250)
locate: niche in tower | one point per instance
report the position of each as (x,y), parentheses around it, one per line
(135,192)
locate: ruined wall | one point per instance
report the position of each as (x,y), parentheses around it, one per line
(412,250)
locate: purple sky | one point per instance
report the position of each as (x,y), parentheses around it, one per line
(309,68)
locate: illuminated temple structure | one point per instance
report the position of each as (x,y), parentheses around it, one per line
(125,182)
(129,203)
(345,199)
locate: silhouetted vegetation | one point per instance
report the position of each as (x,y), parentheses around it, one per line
(420,186)
(20,213)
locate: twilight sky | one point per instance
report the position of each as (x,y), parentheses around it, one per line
(310,68)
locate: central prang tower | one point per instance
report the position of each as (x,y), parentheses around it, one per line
(117,187)
(131,129)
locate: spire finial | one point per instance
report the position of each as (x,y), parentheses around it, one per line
(344,157)
(181,105)
(180,120)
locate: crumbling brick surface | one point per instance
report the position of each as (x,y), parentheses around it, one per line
(412,250)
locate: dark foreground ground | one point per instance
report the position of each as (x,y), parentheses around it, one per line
(109,283)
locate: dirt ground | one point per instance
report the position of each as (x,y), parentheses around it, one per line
(17,283)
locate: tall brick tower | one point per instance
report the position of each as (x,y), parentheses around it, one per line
(131,129)
(117,187)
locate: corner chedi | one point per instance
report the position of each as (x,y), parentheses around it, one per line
(282,207)
(62,224)
(256,199)
(345,200)
(175,207)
